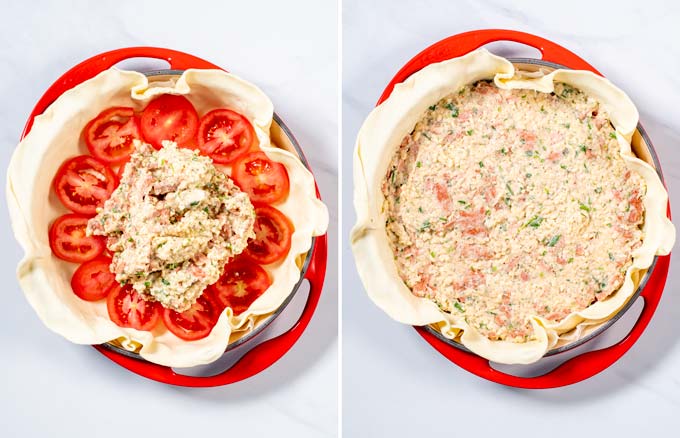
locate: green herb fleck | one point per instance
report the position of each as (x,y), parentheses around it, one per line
(469,131)
(507,186)
(611,257)
(165,282)
(419,164)
(420,209)
(458,306)
(535,222)
(584,207)
(598,190)
(481,164)
(553,240)
(426,225)
(433,107)
(504,151)
(147,284)
(612,134)
(453,109)
(194,204)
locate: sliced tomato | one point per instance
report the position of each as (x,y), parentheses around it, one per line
(93,280)
(69,241)
(121,169)
(273,231)
(262,179)
(195,323)
(169,117)
(109,136)
(225,135)
(84,183)
(242,283)
(128,309)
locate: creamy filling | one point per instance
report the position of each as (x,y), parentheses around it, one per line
(507,204)
(172,224)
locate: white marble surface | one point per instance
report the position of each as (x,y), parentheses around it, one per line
(394,384)
(49,387)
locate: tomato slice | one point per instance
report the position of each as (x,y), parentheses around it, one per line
(69,241)
(83,183)
(273,231)
(242,283)
(169,117)
(93,280)
(262,179)
(109,136)
(128,309)
(195,323)
(225,135)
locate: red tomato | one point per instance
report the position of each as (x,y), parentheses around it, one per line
(242,283)
(262,179)
(121,169)
(195,323)
(225,135)
(69,241)
(109,135)
(128,309)
(169,117)
(272,236)
(83,183)
(93,280)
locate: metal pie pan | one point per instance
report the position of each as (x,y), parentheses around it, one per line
(643,144)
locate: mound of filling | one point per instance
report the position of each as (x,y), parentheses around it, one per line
(507,204)
(172,224)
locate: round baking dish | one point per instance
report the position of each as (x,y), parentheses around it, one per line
(312,264)
(651,285)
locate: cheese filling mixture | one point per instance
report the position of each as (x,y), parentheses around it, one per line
(507,204)
(172,224)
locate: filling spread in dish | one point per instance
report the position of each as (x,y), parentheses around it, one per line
(507,204)
(172,224)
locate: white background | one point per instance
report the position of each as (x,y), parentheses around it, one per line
(394,384)
(49,387)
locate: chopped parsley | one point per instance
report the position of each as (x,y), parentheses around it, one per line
(458,306)
(535,222)
(433,107)
(612,135)
(553,240)
(481,164)
(507,186)
(584,207)
(469,132)
(419,164)
(453,109)
(165,282)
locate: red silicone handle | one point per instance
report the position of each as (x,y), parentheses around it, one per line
(93,66)
(585,365)
(464,43)
(257,359)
